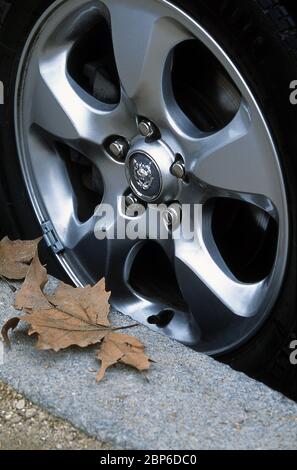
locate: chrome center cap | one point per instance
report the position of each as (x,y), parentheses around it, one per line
(148,171)
(145,176)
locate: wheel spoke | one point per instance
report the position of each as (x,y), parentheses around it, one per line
(143,40)
(52,177)
(204,277)
(89,250)
(65,111)
(119,247)
(236,162)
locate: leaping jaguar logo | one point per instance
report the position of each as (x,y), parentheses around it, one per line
(143,175)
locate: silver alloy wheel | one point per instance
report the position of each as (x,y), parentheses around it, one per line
(215,311)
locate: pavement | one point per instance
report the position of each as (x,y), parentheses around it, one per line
(186,401)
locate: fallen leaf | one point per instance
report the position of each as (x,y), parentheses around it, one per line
(75,316)
(120,348)
(69,317)
(15,257)
(89,304)
(31,295)
(57,330)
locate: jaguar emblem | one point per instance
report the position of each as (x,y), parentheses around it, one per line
(143,175)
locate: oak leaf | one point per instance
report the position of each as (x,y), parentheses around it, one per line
(15,257)
(120,348)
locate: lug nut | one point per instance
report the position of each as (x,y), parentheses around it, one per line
(147,129)
(131,200)
(178,170)
(134,207)
(119,149)
(172,216)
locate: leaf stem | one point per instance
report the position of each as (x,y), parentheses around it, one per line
(11,287)
(118,328)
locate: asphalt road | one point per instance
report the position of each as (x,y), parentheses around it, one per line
(186,401)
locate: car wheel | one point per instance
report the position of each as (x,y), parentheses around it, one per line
(183,103)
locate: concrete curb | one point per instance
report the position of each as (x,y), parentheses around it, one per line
(189,401)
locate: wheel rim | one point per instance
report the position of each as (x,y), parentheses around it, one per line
(213,293)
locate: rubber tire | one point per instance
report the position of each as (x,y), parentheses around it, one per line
(17,217)
(260,36)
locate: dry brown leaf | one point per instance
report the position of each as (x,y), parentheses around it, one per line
(89,304)
(71,317)
(120,348)
(31,295)
(58,330)
(15,257)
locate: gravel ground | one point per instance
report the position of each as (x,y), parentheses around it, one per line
(186,401)
(24,426)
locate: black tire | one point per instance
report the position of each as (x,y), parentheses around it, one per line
(16,214)
(261,38)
